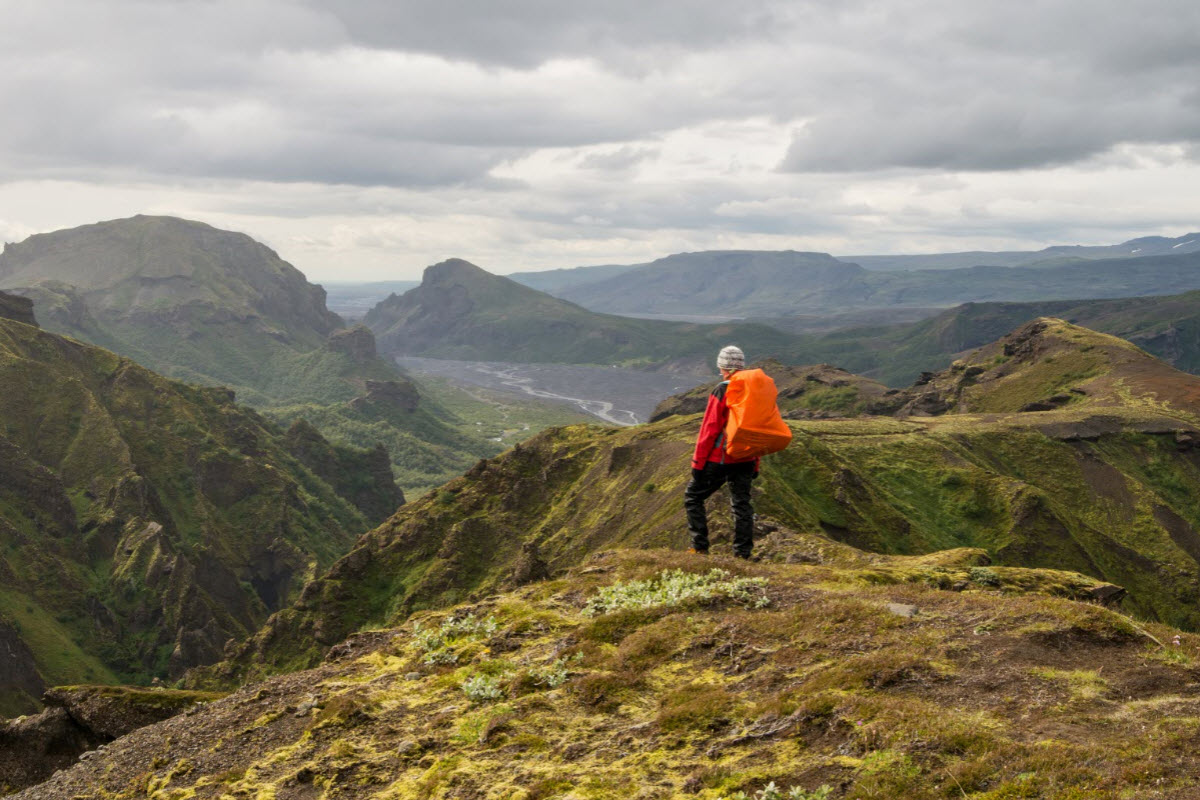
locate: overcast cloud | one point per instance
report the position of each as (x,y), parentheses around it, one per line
(368,138)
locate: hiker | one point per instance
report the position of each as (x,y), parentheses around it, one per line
(711,468)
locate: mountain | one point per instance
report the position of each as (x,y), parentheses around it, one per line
(1054,448)
(461,311)
(765,284)
(652,673)
(188,300)
(926,622)
(1134,248)
(1025,371)
(218,308)
(145,522)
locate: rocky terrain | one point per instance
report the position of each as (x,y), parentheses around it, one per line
(654,674)
(989,592)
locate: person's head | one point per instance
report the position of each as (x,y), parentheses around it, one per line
(730,360)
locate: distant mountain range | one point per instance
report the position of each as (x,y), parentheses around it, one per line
(556,281)
(756,284)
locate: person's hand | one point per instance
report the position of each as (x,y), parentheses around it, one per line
(697,473)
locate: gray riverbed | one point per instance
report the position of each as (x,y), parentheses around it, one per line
(614,395)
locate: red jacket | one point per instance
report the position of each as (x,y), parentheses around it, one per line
(710,444)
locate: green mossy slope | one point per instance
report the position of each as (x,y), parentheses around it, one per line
(828,680)
(1105,494)
(144,522)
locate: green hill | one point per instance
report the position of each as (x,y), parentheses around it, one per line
(461,311)
(217,308)
(145,522)
(1102,482)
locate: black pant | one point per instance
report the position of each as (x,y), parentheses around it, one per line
(700,488)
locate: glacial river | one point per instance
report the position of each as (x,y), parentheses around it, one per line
(617,396)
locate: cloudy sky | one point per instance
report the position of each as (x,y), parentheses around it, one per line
(366,139)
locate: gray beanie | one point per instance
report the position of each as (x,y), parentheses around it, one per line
(731,358)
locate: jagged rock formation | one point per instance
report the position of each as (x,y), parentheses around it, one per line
(367,483)
(389,395)
(462,311)
(144,522)
(358,343)
(76,721)
(16,308)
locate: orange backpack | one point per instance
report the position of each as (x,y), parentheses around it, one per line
(755,427)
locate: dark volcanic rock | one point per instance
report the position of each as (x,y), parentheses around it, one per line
(357,342)
(34,748)
(401,395)
(79,719)
(19,675)
(17,308)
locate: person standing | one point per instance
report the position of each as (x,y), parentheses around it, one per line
(712,469)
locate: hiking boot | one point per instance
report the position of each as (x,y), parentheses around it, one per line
(753,559)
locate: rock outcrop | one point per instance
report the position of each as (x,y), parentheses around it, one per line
(17,308)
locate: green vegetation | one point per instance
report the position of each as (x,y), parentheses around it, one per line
(145,522)
(675,588)
(826,693)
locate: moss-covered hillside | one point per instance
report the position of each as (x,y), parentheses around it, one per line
(660,675)
(217,308)
(1110,493)
(145,522)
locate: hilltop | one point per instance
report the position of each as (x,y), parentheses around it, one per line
(462,311)
(1049,364)
(146,522)
(655,674)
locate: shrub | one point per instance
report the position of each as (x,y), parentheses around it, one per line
(985,576)
(482,688)
(432,641)
(676,587)
(773,792)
